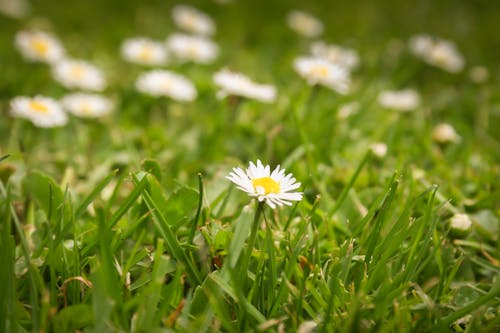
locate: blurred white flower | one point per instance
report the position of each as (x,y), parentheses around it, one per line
(379,149)
(165,83)
(232,83)
(304,24)
(79,74)
(87,105)
(347,110)
(479,74)
(41,111)
(460,223)
(401,100)
(39,46)
(144,51)
(445,133)
(275,188)
(320,71)
(335,54)
(14,8)
(192,48)
(437,52)
(192,20)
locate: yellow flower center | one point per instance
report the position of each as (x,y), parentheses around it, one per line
(41,46)
(146,53)
(77,71)
(86,108)
(38,107)
(321,71)
(193,51)
(267,183)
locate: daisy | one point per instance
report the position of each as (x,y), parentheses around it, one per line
(192,48)
(41,111)
(165,83)
(15,8)
(335,54)
(379,149)
(445,133)
(79,74)
(304,24)
(347,110)
(479,74)
(437,52)
(237,84)
(319,71)
(401,100)
(39,46)
(87,105)
(275,188)
(143,51)
(192,20)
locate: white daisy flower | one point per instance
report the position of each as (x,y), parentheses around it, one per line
(445,133)
(87,105)
(144,51)
(41,111)
(275,188)
(79,74)
(437,52)
(192,20)
(347,110)
(165,83)
(232,83)
(379,149)
(320,71)
(15,8)
(479,74)
(401,100)
(39,46)
(192,48)
(304,24)
(335,54)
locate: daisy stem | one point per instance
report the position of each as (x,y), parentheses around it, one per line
(234,103)
(253,236)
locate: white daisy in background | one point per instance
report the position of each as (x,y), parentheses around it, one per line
(165,83)
(347,110)
(275,188)
(379,149)
(41,111)
(14,8)
(445,133)
(39,46)
(479,74)
(237,84)
(335,54)
(437,52)
(144,51)
(192,20)
(192,48)
(79,74)
(320,71)
(401,100)
(87,105)
(304,24)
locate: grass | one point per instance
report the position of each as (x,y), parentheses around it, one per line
(128,224)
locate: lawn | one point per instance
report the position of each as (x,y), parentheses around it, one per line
(348,180)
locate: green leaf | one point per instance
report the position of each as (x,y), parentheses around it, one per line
(487,224)
(46,193)
(73,318)
(153,167)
